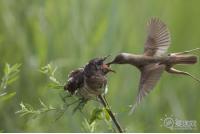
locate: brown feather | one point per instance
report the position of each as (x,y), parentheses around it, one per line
(150,75)
(158,39)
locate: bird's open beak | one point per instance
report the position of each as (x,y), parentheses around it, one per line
(109,63)
(107,68)
(112,62)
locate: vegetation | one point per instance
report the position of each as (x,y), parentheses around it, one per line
(41,41)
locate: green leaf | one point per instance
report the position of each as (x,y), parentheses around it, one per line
(107,116)
(27,109)
(10,75)
(55,86)
(53,79)
(6,69)
(11,80)
(50,72)
(96,115)
(2,94)
(42,103)
(90,127)
(8,96)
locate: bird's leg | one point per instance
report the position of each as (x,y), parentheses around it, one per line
(175,71)
(185,52)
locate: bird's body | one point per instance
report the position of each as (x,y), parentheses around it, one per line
(140,61)
(93,86)
(154,61)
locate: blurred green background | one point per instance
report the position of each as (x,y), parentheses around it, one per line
(68,33)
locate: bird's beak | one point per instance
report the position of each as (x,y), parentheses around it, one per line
(107,68)
(109,63)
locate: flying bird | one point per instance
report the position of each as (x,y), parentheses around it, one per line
(154,61)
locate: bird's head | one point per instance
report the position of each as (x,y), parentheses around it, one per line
(97,65)
(119,59)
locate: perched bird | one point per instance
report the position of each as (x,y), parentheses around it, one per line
(90,81)
(154,61)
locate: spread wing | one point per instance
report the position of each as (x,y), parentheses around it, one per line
(149,77)
(158,38)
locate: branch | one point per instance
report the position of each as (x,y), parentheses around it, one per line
(108,109)
(27,109)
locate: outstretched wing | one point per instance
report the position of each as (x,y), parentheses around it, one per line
(158,39)
(150,75)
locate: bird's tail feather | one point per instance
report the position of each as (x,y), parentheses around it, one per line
(184,59)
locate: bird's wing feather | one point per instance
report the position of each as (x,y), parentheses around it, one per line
(158,38)
(75,80)
(150,75)
(75,72)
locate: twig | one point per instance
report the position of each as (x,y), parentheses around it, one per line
(108,109)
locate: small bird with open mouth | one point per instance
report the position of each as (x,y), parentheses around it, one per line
(90,81)
(153,62)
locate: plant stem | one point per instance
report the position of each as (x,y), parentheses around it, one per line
(108,109)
